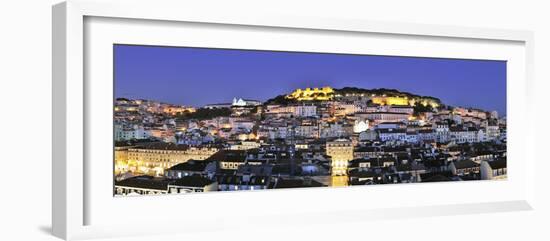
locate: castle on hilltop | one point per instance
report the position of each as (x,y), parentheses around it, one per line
(325,93)
(388,97)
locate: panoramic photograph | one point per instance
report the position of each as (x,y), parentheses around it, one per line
(188,120)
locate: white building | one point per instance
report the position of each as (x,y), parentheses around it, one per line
(305,110)
(412,137)
(244,102)
(426,135)
(470,135)
(401,109)
(360,126)
(335,130)
(130,133)
(368,135)
(380,117)
(243,124)
(493,132)
(308,131)
(392,134)
(442,133)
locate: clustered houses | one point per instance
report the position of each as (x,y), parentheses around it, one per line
(309,138)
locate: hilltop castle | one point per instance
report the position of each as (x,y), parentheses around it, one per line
(325,93)
(328,93)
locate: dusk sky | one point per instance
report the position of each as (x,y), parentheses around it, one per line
(197,76)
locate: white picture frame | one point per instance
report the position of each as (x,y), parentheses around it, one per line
(74,199)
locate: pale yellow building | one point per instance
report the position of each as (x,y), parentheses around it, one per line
(403,101)
(383,100)
(158,157)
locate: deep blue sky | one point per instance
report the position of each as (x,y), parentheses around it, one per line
(197,76)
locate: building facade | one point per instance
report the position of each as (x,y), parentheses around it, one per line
(341,152)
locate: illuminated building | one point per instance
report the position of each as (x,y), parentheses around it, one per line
(160,156)
(470,112)
(245,145)
(322,94)
(173,110)
(121,159)
(360,126)
(383,100)
(380,117)
(277,109)
(165,134)
(403,101)
(341,152)
(231,164)
(343,109)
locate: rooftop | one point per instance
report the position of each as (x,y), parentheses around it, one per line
(498,164)
(465,164)
(144,182)
(192,181)
(191,165)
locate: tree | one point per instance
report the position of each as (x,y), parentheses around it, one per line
(419,108)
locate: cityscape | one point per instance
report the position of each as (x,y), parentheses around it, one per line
(237,133)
